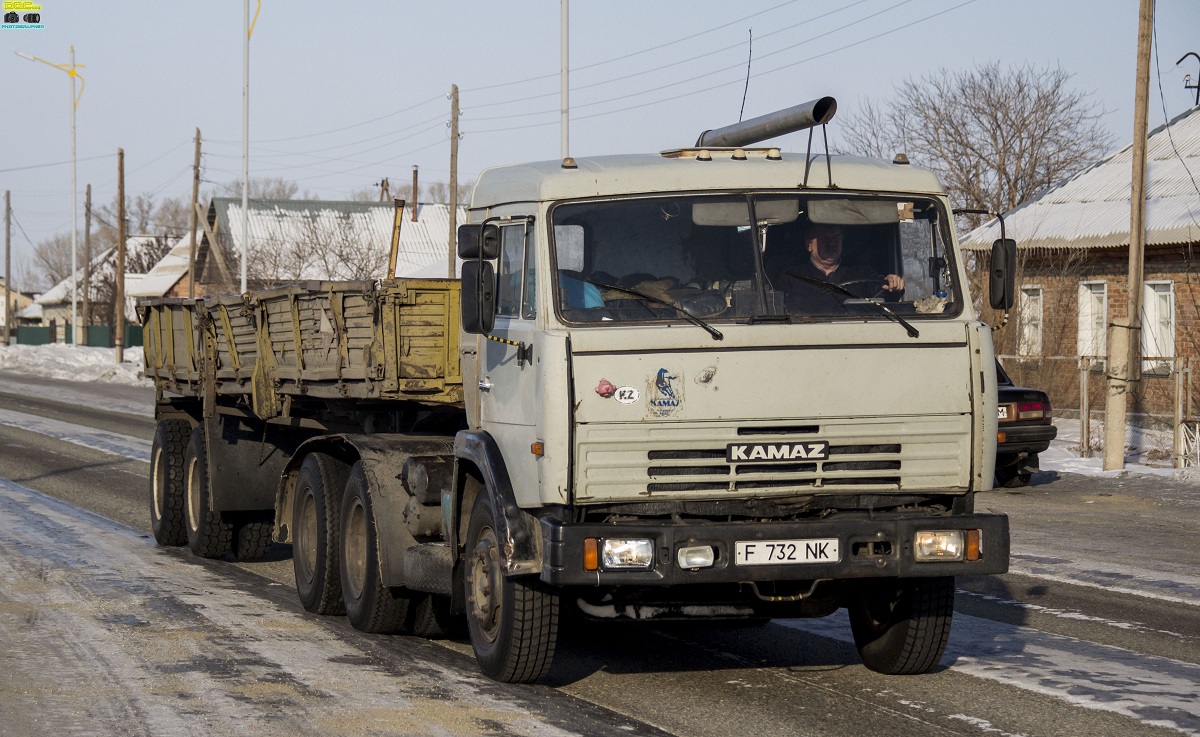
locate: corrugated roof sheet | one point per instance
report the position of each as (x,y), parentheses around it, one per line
(1091,210)
(275,222)
(166,273)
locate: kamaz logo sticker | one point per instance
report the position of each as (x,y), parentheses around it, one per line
(665,396)
(767,452)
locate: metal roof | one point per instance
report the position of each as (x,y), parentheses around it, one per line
(1091,209)
(274,222)
(165,274)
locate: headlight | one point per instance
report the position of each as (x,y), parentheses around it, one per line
(938,545)
(617,553)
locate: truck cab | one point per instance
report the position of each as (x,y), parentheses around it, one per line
(690,416)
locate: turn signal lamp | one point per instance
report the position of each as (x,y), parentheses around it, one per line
(935,545)
(974,544)
(591,554)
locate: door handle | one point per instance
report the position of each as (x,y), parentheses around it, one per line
(485,385)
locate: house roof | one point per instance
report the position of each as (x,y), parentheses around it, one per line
(1091,209)
(422,243)
(165,274)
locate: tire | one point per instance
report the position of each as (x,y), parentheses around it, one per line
(1011,477)
(208,534)
(513,622)
(253,539)
(901,626)
(429,615)
(370,606)
(316,531)
(168,487)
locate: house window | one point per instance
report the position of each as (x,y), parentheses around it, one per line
(1093,319)
(1158,326)
(1029,339)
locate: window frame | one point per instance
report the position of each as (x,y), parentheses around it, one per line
(1023,322)
(1099,341)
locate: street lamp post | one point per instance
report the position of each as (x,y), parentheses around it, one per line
(72,70)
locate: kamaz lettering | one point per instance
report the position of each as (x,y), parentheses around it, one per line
(751,452)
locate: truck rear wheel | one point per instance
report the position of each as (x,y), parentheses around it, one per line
(208,534)
(316,531)
(253,539)
(901,626)
(370,605)
(513,622)
(167,483)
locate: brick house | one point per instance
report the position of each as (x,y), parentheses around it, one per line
(1073,251)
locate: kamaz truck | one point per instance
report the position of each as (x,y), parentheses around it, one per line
(639,401)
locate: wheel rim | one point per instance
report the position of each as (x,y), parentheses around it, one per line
(306,534)
(484,584)
(157,483)
(193,495)
(355,537)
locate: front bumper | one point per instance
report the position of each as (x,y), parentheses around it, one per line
(860,539)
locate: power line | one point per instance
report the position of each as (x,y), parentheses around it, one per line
(739,80)
(334,130)
(643,51)
(56,163)
(722,69)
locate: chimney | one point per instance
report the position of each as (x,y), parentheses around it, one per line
(415,198)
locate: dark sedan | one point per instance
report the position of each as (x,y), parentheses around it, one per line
(1024,430)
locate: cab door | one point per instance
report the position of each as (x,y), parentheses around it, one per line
(508,395)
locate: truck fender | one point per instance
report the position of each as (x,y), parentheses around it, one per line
(382,456)
(520,531)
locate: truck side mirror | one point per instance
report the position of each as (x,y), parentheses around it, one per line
(1002,275)
(478,297)
(478,240)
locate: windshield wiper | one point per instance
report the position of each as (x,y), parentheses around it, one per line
(716,334)
(830,286)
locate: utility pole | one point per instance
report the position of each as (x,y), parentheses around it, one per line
(87,262)
(415,196)
(453,178)
(8,305)
(119,338)
(1124,344)
(195,207)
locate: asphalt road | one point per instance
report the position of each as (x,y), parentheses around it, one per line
(1096,631)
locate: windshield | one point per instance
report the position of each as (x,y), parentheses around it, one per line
(809,258)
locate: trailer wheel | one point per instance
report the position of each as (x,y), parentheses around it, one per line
(167,483)
(370,605)
(430,615)
(208,534)
(316,529)
(513,622)
(901,626)
(253,539)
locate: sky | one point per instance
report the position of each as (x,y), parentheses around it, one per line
(342,95)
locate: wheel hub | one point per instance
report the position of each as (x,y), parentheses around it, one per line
(484,590)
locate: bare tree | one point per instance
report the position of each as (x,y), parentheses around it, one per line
(52,259)
(994,137)
(268,188)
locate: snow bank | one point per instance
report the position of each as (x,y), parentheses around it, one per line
(74,363)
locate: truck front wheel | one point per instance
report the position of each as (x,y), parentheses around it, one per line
(208,534)
(316,531)
(167,482)
(901,626)
(370,605)
(513,622)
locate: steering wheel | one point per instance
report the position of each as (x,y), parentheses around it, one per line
(853,285)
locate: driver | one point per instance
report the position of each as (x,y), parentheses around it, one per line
(824,263)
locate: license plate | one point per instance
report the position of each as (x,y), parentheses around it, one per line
(1004,411)
(786,552)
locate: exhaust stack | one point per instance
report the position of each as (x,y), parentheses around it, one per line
(789,120)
